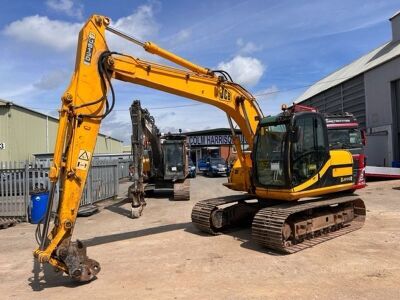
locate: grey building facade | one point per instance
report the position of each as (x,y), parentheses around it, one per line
(370,89)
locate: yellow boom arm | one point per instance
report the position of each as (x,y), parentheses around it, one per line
(85,104)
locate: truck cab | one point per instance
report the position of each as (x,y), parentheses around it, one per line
(344,133)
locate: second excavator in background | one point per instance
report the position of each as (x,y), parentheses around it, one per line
(160,160)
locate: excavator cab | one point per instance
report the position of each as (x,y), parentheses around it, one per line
(292,154)
(175,157)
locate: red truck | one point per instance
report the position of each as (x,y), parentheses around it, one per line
(344,133)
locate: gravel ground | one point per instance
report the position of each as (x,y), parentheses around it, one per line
(162,256)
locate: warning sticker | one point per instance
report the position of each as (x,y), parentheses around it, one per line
(83,160)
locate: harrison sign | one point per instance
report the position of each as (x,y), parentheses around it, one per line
(209,140)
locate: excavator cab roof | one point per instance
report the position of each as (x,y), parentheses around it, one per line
(174,136)
(283,117)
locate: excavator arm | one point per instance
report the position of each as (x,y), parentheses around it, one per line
(85,103)
(144,131)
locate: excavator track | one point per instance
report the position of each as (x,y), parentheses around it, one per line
(182,191)
(292,227)
(207,214)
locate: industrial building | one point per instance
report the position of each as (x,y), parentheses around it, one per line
(25,132)
(369,88)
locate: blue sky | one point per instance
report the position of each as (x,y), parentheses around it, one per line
(274,48)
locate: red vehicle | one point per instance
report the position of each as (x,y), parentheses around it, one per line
(344,133)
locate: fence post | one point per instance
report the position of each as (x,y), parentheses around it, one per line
(116,179)
(89,186)
(26,191)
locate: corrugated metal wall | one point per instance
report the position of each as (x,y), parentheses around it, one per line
(25,132)
(4,132)
(348,96)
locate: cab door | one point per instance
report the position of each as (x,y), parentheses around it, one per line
(309,148)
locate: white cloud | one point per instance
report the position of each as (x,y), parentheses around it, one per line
(181,36)
(272,98)
(244,70)
(247,48)
(59,35)
(118,125)
(69,7)
(63,36)
(52,80)
(17,92)
(267,94)
(141,25)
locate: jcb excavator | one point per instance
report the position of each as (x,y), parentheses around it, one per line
(289,156)
(162,159)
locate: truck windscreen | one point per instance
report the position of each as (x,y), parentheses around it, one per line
(344,138)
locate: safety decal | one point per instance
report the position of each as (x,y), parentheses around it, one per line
(83,160)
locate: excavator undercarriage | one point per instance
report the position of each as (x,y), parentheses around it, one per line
(285,227)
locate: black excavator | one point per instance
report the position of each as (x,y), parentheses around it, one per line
(159,160)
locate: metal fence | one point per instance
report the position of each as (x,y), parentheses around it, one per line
(13,189)
(102,182)
(123,168)
(19,179)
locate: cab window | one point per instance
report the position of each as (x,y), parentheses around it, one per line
(270,155)
(309,150)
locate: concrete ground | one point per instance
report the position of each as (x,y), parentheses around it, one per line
(162,256)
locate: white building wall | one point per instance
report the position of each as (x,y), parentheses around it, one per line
(25,133)
(378,97)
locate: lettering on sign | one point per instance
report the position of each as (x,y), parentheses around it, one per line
(224,94)
(212,140)
(2,146)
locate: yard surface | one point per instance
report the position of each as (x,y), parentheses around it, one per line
(163,256)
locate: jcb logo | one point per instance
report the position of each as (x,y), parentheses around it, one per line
(223,93)
(89,48)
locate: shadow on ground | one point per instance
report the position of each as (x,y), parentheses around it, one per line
(126,212)
(134,234)
(44,276)
(241,233)
(118,209)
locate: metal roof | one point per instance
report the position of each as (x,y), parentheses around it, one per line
(9,103)
(367,62)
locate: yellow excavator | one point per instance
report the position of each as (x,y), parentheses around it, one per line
(289,158)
